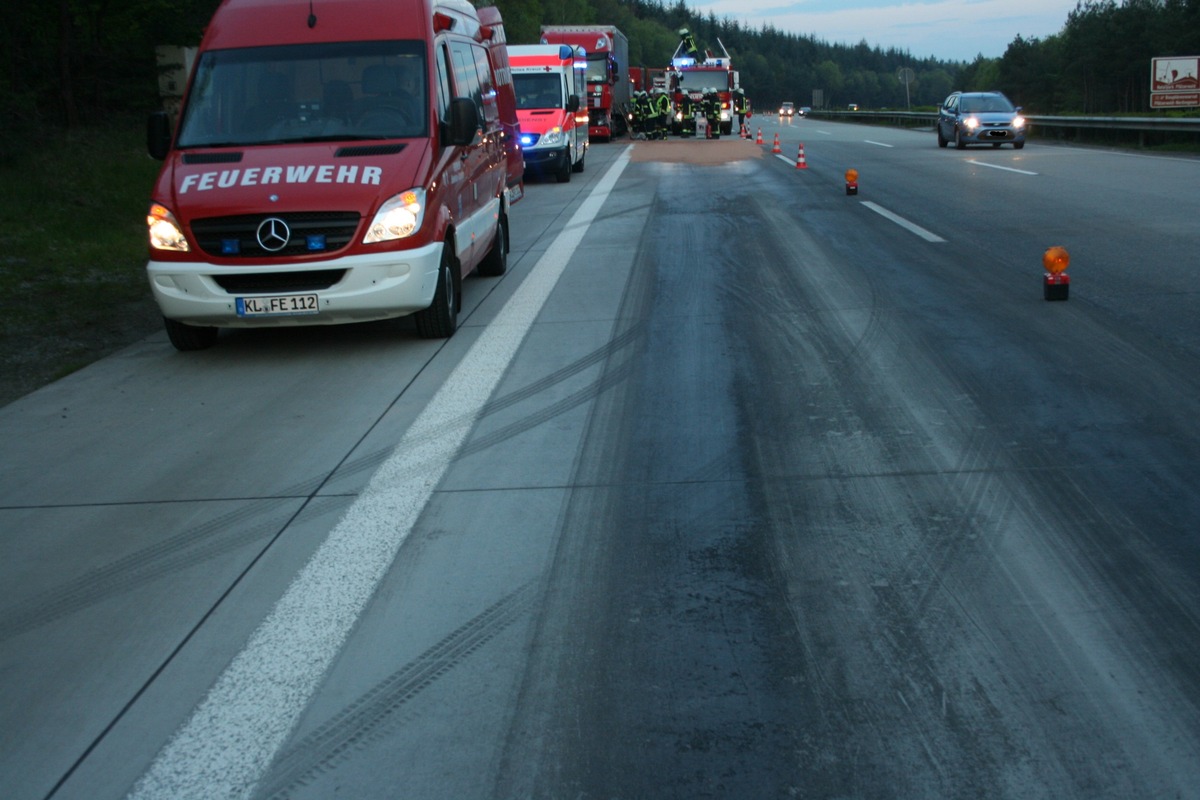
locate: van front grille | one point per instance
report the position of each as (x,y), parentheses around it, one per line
(276,235)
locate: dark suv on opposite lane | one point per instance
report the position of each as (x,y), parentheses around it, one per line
(980,118)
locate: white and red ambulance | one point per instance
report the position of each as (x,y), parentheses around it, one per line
(333,163)
(550,81)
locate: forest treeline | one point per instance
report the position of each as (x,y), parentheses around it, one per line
(76,62)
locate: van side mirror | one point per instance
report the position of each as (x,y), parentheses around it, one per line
(158,134)
(464,122)
(572,103)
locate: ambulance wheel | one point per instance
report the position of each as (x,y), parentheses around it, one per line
(440,320)
(189,337)
(578,165)
(563,175)
(495,263)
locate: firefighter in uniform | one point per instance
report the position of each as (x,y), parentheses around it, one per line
(650,112)
(663,107)
(647,111)
(689,45)
(712,111)
(739,106)
(638,123)
(687,119)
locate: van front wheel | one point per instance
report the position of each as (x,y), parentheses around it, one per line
(440,320)
(189,337)
(495,263)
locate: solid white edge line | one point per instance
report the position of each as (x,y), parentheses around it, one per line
(997,166)
(878,144)
(228,743)
(903,223)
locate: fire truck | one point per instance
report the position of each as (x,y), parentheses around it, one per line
(693,73)
(607,74)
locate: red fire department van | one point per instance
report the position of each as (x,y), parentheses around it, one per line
(506,100)
(333,163)
(550,80)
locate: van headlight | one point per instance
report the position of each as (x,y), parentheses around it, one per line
(397,218)
(552,137)
(165,232)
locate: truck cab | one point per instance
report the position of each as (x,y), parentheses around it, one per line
(607,53)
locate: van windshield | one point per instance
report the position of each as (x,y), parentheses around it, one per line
(310,92)
(538,90)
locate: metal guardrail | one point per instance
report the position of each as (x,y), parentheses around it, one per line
(1140,124)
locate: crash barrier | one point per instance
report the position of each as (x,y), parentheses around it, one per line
(1177,128)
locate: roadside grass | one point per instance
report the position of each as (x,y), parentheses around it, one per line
(72,251)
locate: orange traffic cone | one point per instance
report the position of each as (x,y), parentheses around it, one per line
(775,147)
(800,162)
(745,134)
(759,139)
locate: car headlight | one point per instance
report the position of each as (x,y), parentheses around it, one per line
(397,218)
(1018,122)
(165,232)
(971,122)
(552,137)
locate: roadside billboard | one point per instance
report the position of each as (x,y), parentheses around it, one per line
(1175,82)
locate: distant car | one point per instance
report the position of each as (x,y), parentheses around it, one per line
(852,107)
(787,110)
(805,111)
(980,118)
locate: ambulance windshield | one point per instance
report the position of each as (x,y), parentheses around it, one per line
(538,90)
(304,93)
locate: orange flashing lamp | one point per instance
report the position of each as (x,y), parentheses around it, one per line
(851,181)
(1057,283)
(1056,260)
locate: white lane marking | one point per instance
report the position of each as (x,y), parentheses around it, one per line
(903,223)
(227,745)
(878,144)
(787,160)
(997,166)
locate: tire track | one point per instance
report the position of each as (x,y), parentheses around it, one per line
(171,555)
(222,534)
(371,716)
